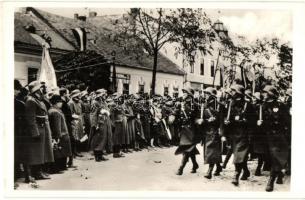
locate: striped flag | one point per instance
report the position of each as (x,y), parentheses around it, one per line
(47,73)
(81,37)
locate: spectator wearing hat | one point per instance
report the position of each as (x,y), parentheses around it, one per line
(274,120)
(39,145)
(60,134)
(240,144)
(64,93)
(77,121)
(211,139)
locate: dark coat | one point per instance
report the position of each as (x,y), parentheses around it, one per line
(20,131)
(77,123)
(237,133)
(130,124)
(60,132)
(212,142)
(256,134)
(86,116)
(186,121)
(39,145)
(275,119)
(120,131)
(102,134)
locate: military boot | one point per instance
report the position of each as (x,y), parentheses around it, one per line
(218,170)
(195,164)
(208,175)
(183,163)
(270,184)
(235,180)
(279,179)
(246,172)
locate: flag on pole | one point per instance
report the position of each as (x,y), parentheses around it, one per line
(81,37)
(47,73)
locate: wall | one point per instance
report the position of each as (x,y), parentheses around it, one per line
(169,51)
(22,63)
(144,76)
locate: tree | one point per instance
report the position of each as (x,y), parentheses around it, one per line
(153,28)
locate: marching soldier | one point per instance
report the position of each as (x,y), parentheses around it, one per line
(273,122)
(186,119)
(212,141)
(237,134)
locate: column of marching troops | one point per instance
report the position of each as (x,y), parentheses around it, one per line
(50,129)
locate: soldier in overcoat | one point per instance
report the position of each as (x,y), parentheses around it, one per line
(275,119)
(120,129)
(102,128)
(77,121)
(211,139)
(39,146)
(60,134)
(238,135)
(185,115)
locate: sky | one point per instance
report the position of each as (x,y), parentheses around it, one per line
(250,23)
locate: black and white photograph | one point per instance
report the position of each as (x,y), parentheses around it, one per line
(139,98)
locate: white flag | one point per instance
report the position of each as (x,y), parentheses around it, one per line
(47,73)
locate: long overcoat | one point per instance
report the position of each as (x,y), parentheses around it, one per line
(212,142)
(186,121)
(19,130)
(39,146)
(60,132)
(101,135)
(275,119)
(119,134)
(77,123)
(238,134)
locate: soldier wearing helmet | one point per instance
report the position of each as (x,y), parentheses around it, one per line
(273,123)
(236,120)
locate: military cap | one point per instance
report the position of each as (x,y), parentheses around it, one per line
(75,93)
(34,86)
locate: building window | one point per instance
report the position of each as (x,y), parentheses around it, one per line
(141,89)
(175,92)
(192,67)
(165,93)
(212,68)
(32,74)
(125,88)
(202,67)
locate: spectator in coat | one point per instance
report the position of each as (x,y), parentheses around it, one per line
(60,134)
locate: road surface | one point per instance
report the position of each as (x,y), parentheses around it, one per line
(149,171)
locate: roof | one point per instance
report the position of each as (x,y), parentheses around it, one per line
(104,41)
(23,36)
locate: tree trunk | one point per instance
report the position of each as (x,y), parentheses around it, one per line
(153,82)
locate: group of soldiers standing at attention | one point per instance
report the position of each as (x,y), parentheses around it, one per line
(53,128)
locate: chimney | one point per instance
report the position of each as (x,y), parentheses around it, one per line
(76,16)
(82,18)
(92,14)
